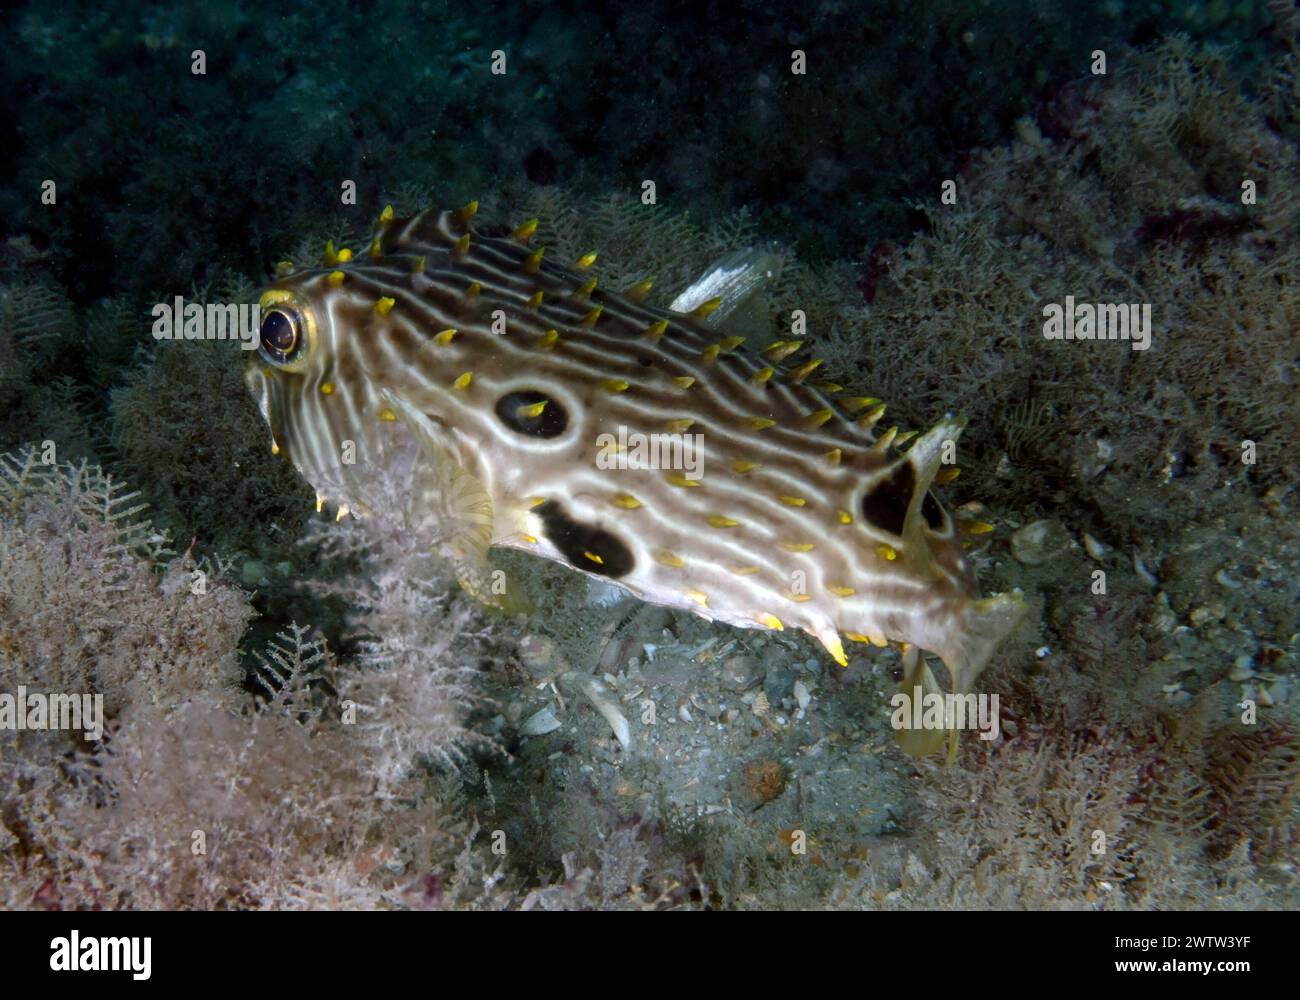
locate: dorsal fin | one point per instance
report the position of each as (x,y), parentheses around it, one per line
(733,280)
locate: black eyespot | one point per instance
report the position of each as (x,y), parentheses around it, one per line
(593,549)
(885,504)
(281,339)
(933,513)
(532,413)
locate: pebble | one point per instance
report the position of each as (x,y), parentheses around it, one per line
(1205,613)
(538,655)
(778,685)
(1163,619)
(1036,543)
(1095,549)
(540,723)
(1144,573)
(740,673)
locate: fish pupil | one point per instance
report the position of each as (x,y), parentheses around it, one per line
(279,335)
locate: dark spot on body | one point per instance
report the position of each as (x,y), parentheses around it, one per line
(576,541)
(644,362)
(550,423)
(933,512)
(885,503)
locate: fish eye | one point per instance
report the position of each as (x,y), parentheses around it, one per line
(281,336)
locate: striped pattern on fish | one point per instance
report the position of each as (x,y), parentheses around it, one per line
(506,367)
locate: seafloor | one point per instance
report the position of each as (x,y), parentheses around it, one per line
(304,713)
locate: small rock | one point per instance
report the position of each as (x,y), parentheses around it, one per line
(1095,549)
(1036,543)
(740,673)
(1162,620)
(1206,613)
(540,723)
(761,781)
(1144,572)
(1243,668)
(538,655)
(778,685)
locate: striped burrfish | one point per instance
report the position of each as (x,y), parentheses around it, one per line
(637,445)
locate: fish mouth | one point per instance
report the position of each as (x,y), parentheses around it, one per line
(258,383)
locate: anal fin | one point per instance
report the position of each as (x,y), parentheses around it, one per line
(917,677)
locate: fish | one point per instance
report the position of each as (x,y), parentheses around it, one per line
(526,391)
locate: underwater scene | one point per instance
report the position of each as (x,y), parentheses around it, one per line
(730,455)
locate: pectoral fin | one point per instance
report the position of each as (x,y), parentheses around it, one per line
(454,504)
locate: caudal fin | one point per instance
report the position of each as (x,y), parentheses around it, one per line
(988,622)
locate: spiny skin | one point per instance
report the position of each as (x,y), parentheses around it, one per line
(775,533)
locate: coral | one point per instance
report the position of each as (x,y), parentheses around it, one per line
(1253,779)
(197,795)
(414,638)
(32,315)
(1044,824)
(37,400)
(1127,190)
(595,853)
(186,432)
(218,806)
(93,601)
